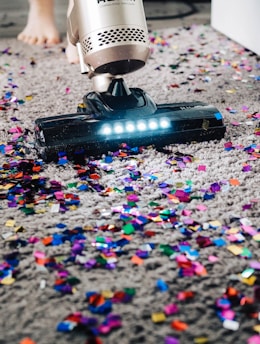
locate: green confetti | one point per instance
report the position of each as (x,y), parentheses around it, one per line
(128,229)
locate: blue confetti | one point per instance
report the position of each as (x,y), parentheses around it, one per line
(161,285)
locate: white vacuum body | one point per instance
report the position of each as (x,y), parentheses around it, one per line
(112,33)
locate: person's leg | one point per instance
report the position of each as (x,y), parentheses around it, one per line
(71,50)
(40,28)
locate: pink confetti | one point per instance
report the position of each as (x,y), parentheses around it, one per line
(8,148)
(213,259)
(202,168)
(39,254)
(235,124)
(33,240)
(250,230)
(15,130)
(188,221)
(228,145)
(186,212)
(59,195)
(132,198)
(170,309)
(199,269)
(254,340)
(228,314)
(201,207)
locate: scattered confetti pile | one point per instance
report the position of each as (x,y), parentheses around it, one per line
(138,246)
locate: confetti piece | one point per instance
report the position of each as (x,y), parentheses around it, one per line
(10,223)
(249,281)
(201,340)
(236,250)
(213,259)
(247,273)
(7,235)
(254,340)
(161,285)
(170,309)
(42,284)
(256,328)
(171,340)
(234,182)
(231,325)
(185,295)
(179,325)
(7,281)
(202,168)
(256,237)
(136,260)
(215,224)
(255,265)
(128,229)
(202,207)
(27,340)
(158,317)
(55,208)
(47,240)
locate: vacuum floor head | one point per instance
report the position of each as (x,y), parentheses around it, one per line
(121,115)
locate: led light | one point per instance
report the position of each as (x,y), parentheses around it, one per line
(141,125)
(106,130)
(118,128)
(153,124)
(130,127)
(165,123)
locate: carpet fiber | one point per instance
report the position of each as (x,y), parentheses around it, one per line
(146,247)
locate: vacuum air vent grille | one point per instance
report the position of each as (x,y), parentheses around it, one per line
(86,45)
(114,36)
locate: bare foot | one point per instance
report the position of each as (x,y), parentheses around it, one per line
(40,28)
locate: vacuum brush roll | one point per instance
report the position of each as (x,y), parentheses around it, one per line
(112,33)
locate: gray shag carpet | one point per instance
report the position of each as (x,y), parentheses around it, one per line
(131,235)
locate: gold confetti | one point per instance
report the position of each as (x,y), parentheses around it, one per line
(249,281)
(231,91)
(158,317)
(256,328)
(107,294)
(7,281)
(201,340)
(235,249)
(10,223)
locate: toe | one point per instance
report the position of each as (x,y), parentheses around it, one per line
(53,40)
(31,40)
(21,37)
(41,40)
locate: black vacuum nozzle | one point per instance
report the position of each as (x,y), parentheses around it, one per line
(123,115)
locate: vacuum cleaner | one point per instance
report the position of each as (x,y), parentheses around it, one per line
(112,41)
